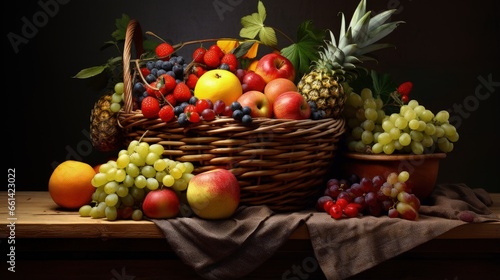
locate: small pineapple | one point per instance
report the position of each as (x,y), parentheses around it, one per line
(105,133)
(338,63)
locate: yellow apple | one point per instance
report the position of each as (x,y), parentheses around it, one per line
(213,194)
(218,84)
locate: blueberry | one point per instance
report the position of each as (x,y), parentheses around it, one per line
(236,106)
(238,114)
(224,66)
(246,119)
(178,70)
(171,73)
(158,64)
(178,110)
(313,105)
(150,65)
(182,119)
(193,100)
(167,65)
(138,88)
(315,115)
(161,72)
(154,72)
(150,78)
(180,59)
(246,110)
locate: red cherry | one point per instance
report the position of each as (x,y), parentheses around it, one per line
(327,205)
(351,211)
(342,202)
(335,211)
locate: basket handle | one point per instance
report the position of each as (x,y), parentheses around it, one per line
(133,34)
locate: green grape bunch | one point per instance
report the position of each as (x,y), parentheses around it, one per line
(413,129)
(122,184)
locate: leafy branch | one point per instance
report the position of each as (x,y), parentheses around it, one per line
(114,64)
(301,52)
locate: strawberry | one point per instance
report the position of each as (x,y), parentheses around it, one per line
(191,81)
(171,99)
(154,89)
(168,83)
(182,93)
(198,70)
(145,71)
(216,48)
(231,60)
(198,54)
(164,50)
(211,59)
(405,88)
(166,113)
(150,107)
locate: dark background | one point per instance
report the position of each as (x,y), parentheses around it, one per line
(444,48)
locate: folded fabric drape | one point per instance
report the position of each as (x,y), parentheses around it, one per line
(232,248)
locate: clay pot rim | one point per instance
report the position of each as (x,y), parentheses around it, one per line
(384,157)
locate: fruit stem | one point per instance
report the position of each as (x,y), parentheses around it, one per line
(284,35)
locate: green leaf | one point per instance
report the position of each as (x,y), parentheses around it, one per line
(253,26)
(305,50)
(268,36)
(243,48)
(121,27)
(90,72)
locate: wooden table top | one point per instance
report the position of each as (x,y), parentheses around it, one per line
(37,216)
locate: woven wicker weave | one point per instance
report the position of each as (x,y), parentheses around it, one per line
(279,163)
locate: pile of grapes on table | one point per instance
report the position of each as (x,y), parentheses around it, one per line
(379,196)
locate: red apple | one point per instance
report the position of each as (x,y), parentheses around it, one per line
(213,194)
(275,65)
(252,81)
(291,105)
(258,102)
(161,204)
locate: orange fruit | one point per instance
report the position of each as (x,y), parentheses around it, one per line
(252,65)
(278,86)
(70,184)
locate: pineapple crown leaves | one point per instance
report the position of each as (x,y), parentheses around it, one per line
(300,53)
(364,31)
(356,42)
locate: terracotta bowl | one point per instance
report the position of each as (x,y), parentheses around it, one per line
(423,169)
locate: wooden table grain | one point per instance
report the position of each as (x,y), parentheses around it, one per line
(37,216)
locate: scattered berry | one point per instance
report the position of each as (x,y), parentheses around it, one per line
(405,88)
(164,50)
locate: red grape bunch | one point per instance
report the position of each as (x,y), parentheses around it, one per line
(378,196)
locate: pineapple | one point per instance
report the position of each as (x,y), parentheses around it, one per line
(337,65)
(105,133)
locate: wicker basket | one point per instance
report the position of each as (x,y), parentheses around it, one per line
(279,163)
